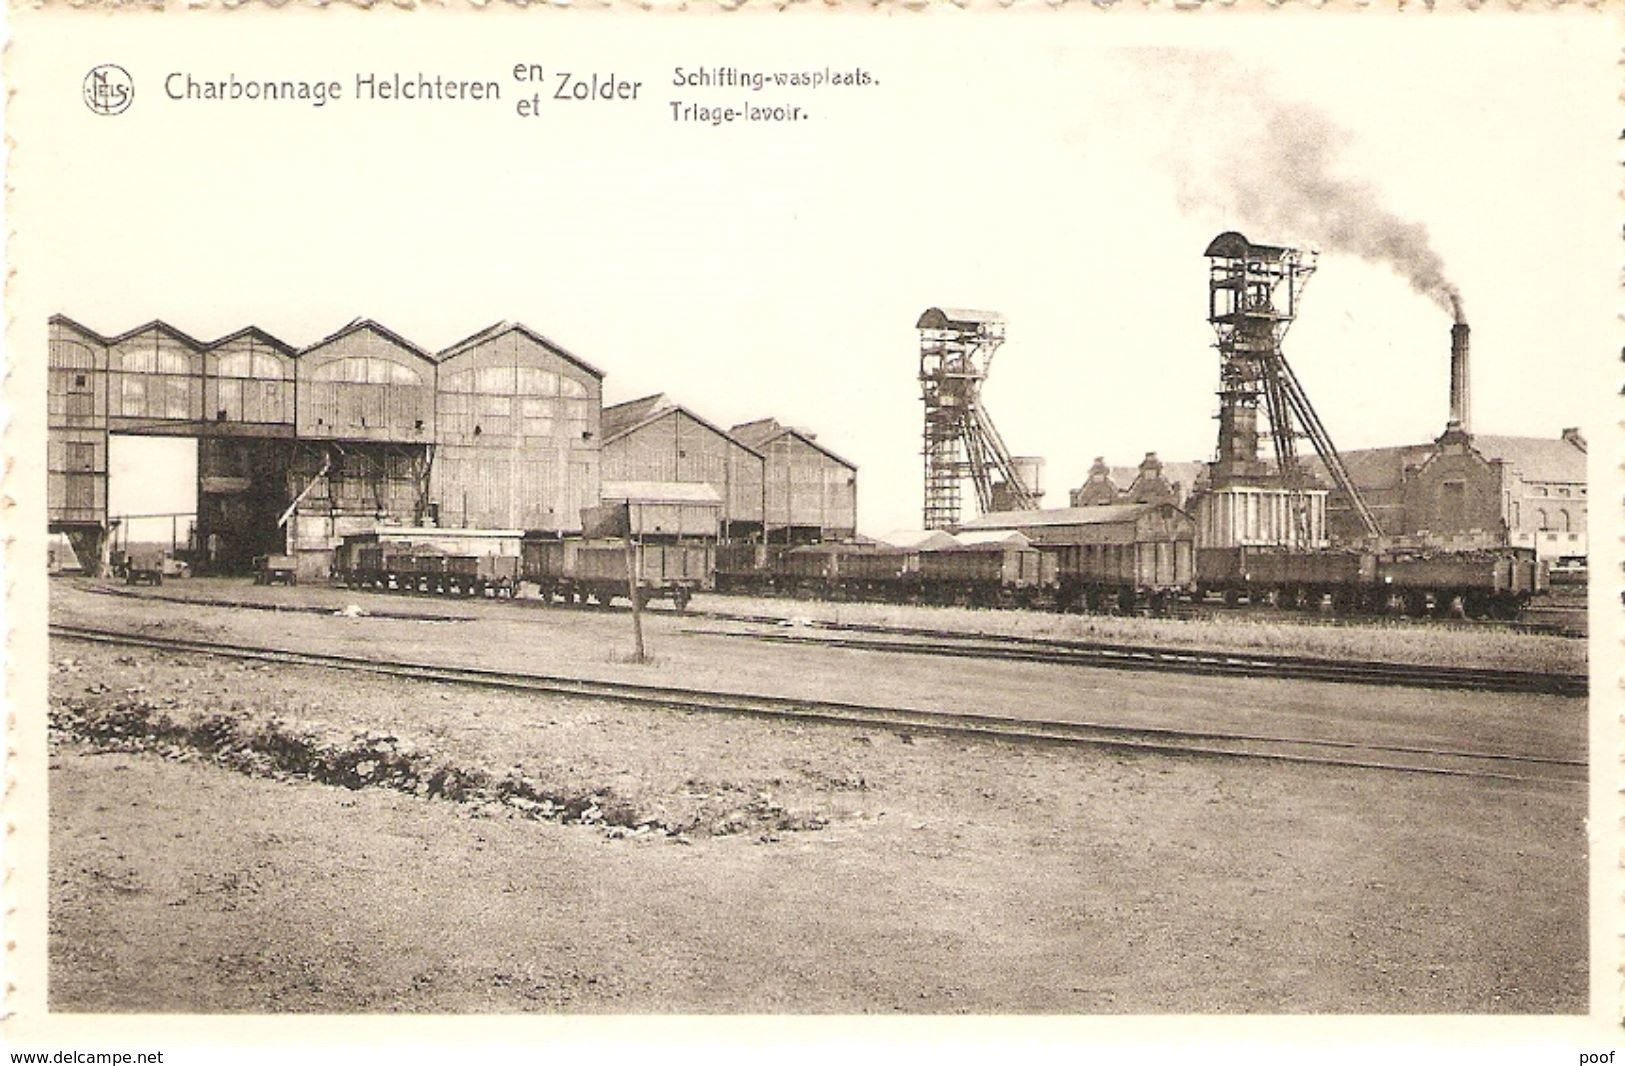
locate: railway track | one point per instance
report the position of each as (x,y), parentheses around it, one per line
(1350,754)
(1187,612)
(1189,661)
(1051,650)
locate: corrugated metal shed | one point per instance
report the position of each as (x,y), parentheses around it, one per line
(808,491)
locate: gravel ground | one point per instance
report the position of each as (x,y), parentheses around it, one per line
(743,865)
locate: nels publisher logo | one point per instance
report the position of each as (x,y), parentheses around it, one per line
(109,89)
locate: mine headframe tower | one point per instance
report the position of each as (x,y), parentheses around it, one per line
(961,443)
(1253,295)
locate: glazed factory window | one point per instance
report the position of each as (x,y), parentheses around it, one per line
(365,370)
(249,365)
(71,354)
(153,361)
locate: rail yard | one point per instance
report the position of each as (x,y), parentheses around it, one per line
(811,821)
(610,709)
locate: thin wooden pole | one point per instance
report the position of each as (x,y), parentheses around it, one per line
(637,600)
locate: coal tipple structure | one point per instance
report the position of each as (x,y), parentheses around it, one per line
(299,447)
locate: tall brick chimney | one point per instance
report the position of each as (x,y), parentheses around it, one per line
(1461,401)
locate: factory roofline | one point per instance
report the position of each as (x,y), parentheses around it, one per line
(63,320)
(659,406)
(253,331)
(276,342)
(497,329)
(162,327)
(759,434)
(621,417)
(991,539)
(359,324)
(489,332)
(1536,458)
(1554,459)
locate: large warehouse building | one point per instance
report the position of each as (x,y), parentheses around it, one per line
(299,447)
(654,439)
(810,493)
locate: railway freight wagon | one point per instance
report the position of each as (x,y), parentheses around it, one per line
(1496,584)
(846,571)
(987,575)
(456,562)
(1099,576)
(583,571)
(1288,578)
(747,567)
(1113,556)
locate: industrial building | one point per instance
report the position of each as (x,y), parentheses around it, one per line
(1467,490)
(1153,481)
(299,447)
(1460,491)
(809,493)
(654,439)
(1129,523)
(1477,490)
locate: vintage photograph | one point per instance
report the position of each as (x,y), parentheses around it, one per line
(964,512)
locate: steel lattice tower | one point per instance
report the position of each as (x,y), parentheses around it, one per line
(960,442)
(1253,294)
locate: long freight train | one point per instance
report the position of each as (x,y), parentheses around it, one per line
(1148,571)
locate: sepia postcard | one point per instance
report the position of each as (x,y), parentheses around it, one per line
(691,532)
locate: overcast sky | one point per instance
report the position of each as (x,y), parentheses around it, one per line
(1034,165)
